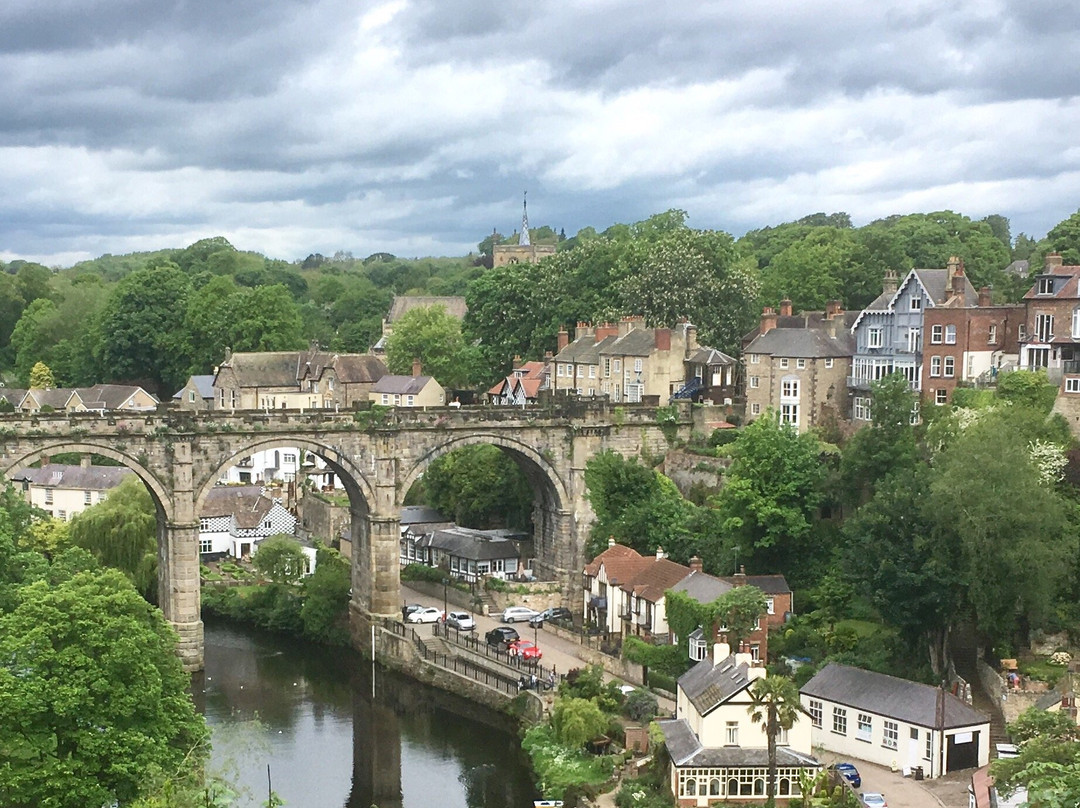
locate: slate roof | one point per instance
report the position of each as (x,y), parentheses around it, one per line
(455,306)
(769,584)
(702,587)
(246,503)
(708,686)
(802,342)
(619,560)
(12,394)
(401,385)
(471,544)
(710,356)
(265,368)
(57,398)
(686,751)
(1068,290)
(910,702)
(204,385)
(59,475)
(110,396)
(358,368)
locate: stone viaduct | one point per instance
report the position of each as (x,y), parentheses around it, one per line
(378,454)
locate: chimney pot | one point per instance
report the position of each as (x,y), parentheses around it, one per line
(660,553)
(84,461)
(696,565)
(832,309)
(610,541)
(785,307)
(768,320)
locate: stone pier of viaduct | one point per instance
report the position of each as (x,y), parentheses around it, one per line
(377,454)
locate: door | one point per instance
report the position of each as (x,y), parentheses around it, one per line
(962,751)
(913,748)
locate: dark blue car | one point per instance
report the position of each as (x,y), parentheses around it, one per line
(849,773)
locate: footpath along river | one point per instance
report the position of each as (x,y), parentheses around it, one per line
(329,743)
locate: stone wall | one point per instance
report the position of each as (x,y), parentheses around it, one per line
(538,595)
(321,518)
(686,469)
(622,668)
(454,597)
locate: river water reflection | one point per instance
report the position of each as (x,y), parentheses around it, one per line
(330,744)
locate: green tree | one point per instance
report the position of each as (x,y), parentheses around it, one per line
(280,559)
(141,333)
(265,319)
(577,721)
(479,486)
(735,613)
(887,445)
(771,493)
(30,340)
(774,703)
(827,264)
(121,532)
(325,613)
(93,700)
(433,336)
(1048,765)
(41,378)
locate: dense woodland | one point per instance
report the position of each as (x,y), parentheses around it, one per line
(154,318)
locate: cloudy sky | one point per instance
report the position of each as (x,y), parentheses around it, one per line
(413,126)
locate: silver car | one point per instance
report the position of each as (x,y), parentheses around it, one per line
(518,614)
(462,621)
(429,614)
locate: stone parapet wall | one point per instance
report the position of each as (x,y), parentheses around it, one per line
(622,668)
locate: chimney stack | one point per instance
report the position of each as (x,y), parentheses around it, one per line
(662,339)
(720,650)
(417,368)
(605,330)
(740,576)
(832,309)
(564,339)
(890,283)
(696,565)
(610,541)
(984,297)
(1053,260)
(660,553)
(768,320)
(84,461)
(691,337)
(785,307)
(517,361)
(957,282)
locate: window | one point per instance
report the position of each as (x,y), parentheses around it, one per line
(205,546)
(755,358)
(863,728)
(950,366)
(1044,327)
(385,399)
(935,365)
(1021,332)
(916,303)
(789,414)
(789,388)
(61,515)
(191,395)
(48,496)
(592,371)
(782,737)
(607,365)
(1072,385)
(558,369)
(950,335)
(828,362)
(1046,286)
(770,606)
(581,371)
(839,720)
(913,340)
(731,734)
(755,409)
(289,457)
(873,337)
(86,497)
(268,524)
(754,381)
(928,752)
(941,396)
(800,364)
(697,648)
(892,735)
(936,332)
(815,712)
(1075,324)
(991,334)
(617,365)
(637,366)
(860,409)
(204,525)
(397,399)
(784,363)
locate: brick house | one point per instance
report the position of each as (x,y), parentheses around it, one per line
(1049,337)
(968,344)
(798,365)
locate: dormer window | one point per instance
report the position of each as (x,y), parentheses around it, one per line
(1046,286)
(697,648)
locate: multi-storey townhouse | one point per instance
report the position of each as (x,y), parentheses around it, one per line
(797,365)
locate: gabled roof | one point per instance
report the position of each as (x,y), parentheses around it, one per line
(702,587)
(934,282)
(654,578)
(910,702)
(455,306)
(86,478)
(246,503)
(802,343)
(264,368)
(708,685)
(401,385)
(203,384)
(358,368)
(710,356)
(619,561)
(13,395)
(59,398)
(686,750)
(112,396)
(769,584)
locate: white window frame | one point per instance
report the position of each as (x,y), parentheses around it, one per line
(789,414)
(941,396)
(770,606)
(816,712)
(783,363)
(864,727)
(991,336)
(616,366)
(937,334)
(410,401)
(580,373)
(789,389)
(916,303)
(1075,323)
(828,362)
(48,496)
(949,369)
(890,737)
(206,545)
(1046,286)
(558,369)
(1072,384)
(935,366)
(731,733)
(755,358)
(800,364)
(950,335)
(755,408)
(592,371)
(874,336)
(860,408)
(638,365)
(839,721)
(754,381)
(87,498)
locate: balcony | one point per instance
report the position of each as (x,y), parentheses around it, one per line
(864,384)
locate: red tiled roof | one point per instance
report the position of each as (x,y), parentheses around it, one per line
(655,578)
(619,561)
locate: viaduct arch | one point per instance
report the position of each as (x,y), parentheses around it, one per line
(377,455)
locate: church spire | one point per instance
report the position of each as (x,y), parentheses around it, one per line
(523,239)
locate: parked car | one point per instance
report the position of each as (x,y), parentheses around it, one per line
(501,635)
(849,773)
(462,621)
(515,614)
(872,799)
(409,608)
(556,614)
(525,649)
(425,614)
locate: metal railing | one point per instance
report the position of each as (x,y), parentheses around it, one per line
(470,642)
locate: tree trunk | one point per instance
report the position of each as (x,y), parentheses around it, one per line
(770,786)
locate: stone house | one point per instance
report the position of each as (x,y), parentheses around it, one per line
(64,490)
(892,722)
(889,333)
(100,397)
(408,391)
(471,555)
(968,344)
(798,365)
(197,394)
(311,379)
(717,752)
(629,362)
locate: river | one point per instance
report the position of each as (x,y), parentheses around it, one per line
(329,743)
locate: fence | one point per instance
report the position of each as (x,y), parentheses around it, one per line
(476,645)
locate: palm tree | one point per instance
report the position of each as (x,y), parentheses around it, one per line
(775,703)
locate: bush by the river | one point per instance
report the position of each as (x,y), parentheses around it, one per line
(559,767)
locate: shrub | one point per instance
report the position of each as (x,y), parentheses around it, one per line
(661,681)
(722,437)
(560,768)
(640,706)
(422,572)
